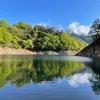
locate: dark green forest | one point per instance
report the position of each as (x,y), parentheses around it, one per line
(23,35)
(95,30)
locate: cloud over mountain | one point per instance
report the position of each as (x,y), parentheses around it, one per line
(75,27)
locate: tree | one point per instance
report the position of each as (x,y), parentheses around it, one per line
(23,25)
(5,37)
(39,28)
(95,30)
(63,41)
(23,35)
(3,24)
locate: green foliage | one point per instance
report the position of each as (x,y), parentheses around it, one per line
(23,25)
(3,24)
(26,43)
(48,41)
(95,30)
(70,43)
(5,37)
(22,35)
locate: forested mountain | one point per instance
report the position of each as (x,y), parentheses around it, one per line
(23,35)
(83,37)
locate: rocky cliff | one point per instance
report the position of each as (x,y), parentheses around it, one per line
(93,50)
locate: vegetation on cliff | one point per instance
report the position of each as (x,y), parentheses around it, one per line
(23,35)
(93,49)
(95,30)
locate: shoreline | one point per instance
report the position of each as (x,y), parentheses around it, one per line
(8,51)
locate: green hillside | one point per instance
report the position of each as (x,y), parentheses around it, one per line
(23,35)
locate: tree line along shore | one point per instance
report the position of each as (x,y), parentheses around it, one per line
(37,38)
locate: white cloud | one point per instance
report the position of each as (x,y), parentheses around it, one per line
(43,23)
(79,79)
(60,27)
(75,27)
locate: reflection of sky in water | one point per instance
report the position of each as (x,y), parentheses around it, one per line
(48,78)
(44,57)
(64,57)
(73,80)
(79,79)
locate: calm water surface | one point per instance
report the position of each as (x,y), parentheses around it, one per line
(43,77)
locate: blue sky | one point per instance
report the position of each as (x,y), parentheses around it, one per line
(57,13)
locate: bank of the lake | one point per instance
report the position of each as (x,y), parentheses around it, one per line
(6,50)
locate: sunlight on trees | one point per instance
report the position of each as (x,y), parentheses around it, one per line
(23,35)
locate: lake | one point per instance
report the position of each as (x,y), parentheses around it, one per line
(47,77)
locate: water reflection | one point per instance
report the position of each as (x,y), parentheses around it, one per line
(95,79)
(23,71)
(79,79)
(20,70)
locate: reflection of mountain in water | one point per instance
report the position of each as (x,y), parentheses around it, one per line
(20,72)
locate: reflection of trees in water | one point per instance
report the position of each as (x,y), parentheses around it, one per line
(95,80)
(22,72)
(15,72)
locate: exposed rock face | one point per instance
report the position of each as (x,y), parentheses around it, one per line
(58,52)
(6,50)
(93,50)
